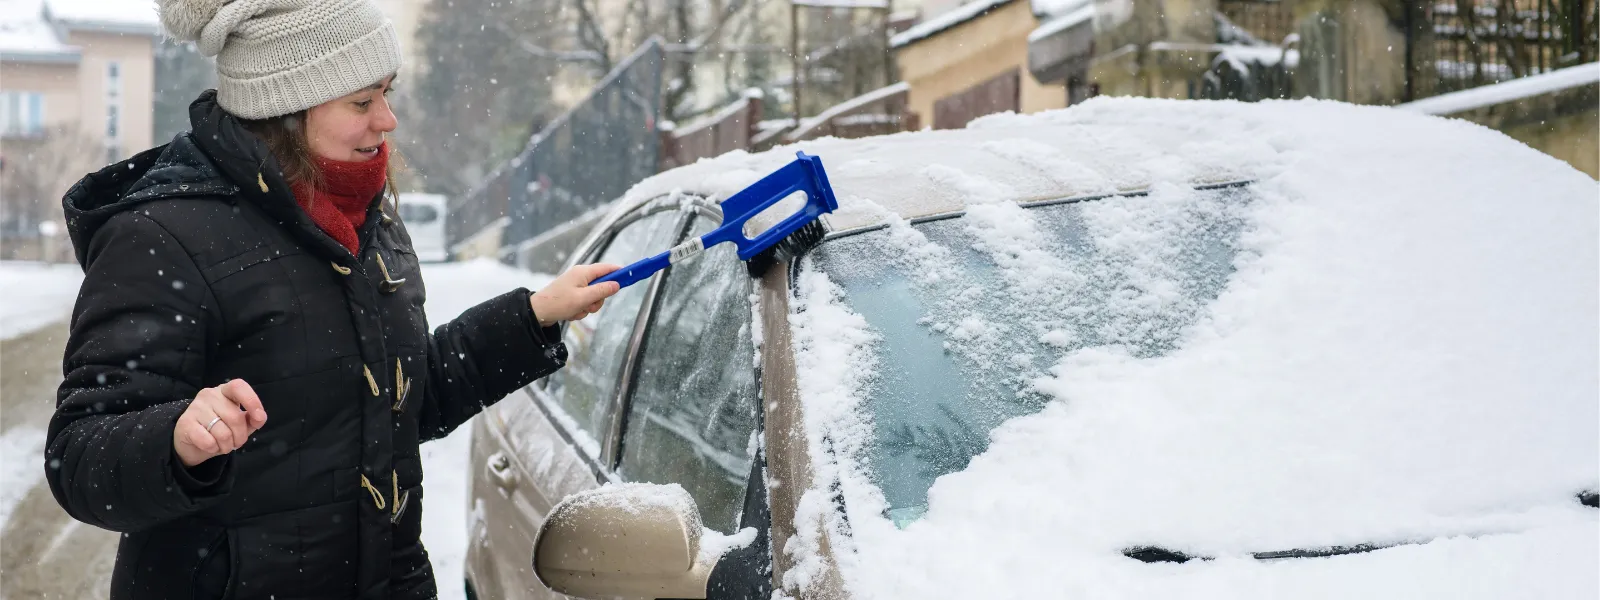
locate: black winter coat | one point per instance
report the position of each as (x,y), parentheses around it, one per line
(200,268)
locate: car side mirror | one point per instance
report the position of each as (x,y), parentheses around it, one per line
(630,540)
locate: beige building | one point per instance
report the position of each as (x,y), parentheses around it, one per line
(971,61)
(76,93)
(79,65)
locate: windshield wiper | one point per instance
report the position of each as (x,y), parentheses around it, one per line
(1155,554)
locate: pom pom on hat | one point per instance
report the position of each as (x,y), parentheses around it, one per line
(185,20)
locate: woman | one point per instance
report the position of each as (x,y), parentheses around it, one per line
(249,372)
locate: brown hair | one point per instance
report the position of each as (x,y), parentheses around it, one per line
(285,137)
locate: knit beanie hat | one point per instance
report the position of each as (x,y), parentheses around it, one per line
(276,57)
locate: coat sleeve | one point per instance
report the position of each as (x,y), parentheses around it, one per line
(491,350)
(135,358)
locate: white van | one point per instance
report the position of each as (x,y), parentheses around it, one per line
(423,215)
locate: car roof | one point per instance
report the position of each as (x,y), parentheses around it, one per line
(1018,158)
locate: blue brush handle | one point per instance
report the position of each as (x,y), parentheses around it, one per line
(638,271)
(805,174)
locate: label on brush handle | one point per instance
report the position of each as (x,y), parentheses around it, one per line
(686,250)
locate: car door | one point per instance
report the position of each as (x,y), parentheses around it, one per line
(547,441)
(693,409)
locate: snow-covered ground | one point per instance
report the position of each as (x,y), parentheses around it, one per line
(36,294)
(32,296)
(453,288)
(21,453)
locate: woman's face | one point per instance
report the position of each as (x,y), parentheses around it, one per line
(351,128)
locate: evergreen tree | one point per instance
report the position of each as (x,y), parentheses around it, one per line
(181,73)
(484,86)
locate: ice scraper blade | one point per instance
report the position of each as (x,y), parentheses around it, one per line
(805,174)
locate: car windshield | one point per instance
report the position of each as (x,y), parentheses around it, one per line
(968,311)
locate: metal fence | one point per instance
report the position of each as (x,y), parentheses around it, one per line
(879,112)
(730,128)
(1450,45)
(1269,21)
(585,158)
(1479,42)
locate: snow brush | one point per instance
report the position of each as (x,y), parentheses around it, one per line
(805,174)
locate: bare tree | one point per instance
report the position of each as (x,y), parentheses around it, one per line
(484,86)
(691,29)
(1513,43)
(35,173)
(1467,11)
(590,34)
(181,73)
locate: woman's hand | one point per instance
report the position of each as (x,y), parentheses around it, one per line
(570,297)
(218,421)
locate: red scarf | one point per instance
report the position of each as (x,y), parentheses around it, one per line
(339,206)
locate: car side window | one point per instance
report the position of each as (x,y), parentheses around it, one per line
(598,345)
(693,412)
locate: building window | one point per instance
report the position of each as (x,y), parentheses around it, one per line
(21,113)
(113,110)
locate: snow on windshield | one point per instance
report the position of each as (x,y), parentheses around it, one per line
(970,311)
(1403,351)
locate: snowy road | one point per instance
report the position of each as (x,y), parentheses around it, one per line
(46,554)
(453,288)
(43,553)
(36,295)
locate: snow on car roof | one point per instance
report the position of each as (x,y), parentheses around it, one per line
(1405,353)
(999,158)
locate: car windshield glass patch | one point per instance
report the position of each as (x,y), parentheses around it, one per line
(969,311)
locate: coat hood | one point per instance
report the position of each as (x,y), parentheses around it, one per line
(216,158)
(178,168)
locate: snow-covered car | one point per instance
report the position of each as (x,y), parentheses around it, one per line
(1132,349)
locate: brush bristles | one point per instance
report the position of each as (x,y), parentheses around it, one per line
(802,240)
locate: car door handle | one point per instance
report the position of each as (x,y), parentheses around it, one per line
(500,471)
